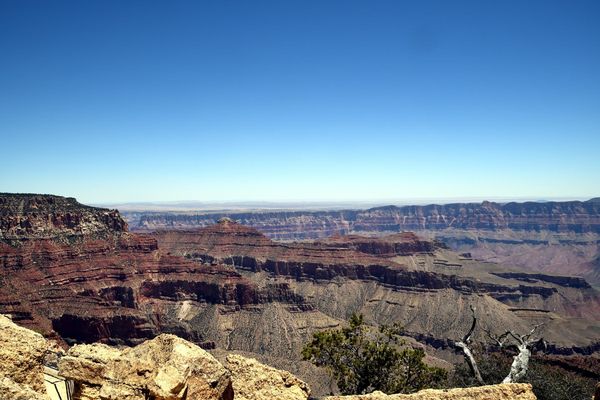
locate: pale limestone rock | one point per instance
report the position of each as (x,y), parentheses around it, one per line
(255,381)
(165,368)
(22,354)
(507,391)
(14,391)
(88,362)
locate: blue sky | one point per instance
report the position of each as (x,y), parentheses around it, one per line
(114,101)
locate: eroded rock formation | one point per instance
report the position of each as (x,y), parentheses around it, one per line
(75,272)
(255,381)
(166,367)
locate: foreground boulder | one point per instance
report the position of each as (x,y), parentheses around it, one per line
(21,370)
(508,391)
(255,381)
(166,368)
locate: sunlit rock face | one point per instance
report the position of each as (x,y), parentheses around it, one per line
(21,370)
(166,367)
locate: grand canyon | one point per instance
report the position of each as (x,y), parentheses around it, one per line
(299,200)
(261,284)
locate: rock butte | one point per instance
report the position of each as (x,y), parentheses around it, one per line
(76,274)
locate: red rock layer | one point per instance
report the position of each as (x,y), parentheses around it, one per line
(83,277)
(353,257)
(403,244)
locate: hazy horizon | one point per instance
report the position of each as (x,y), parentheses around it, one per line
(113,102)
(215,206)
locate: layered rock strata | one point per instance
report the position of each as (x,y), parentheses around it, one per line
(75,272)
(569,216)
(231,287)
(552,237)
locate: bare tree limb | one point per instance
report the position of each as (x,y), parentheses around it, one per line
(467,337)
(463,345)
(500,341)
(520,363)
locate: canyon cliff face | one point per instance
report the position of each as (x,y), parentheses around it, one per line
(551,237)
(396,278)
(571,216)
(77,274)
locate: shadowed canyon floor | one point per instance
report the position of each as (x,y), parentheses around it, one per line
(77,274)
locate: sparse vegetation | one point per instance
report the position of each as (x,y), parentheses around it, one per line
(362,359)
(549,382)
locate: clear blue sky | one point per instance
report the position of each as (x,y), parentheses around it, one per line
(300,100)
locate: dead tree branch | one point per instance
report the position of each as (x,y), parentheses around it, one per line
(524,344)
(463,345)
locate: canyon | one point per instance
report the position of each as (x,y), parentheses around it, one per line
(77,274)
(554,237)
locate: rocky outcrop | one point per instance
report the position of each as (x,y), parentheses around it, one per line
(21,370)
(568,216)
(22,353)
(255,381)
(510,391)
(170,368)
(166,367)
(43,216)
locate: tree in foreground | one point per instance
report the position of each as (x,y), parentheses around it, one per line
(550,382)
(513,353)
(362,359)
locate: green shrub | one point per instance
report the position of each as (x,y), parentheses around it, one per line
(362,360)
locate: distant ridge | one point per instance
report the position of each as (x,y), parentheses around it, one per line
(552,216)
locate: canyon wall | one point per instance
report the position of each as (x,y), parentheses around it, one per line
(571,216)
(551,237)
(76,274)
